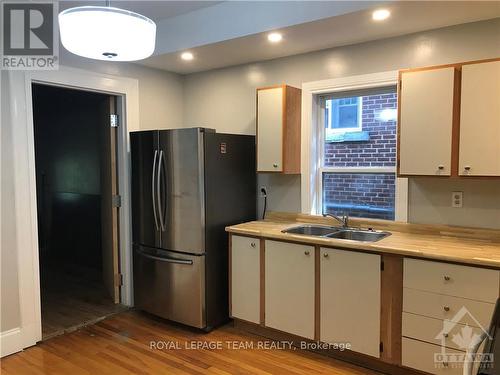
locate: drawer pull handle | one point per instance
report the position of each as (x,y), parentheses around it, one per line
(252,244)
(307,252)
(445,364)
(446,308)
(325,255)
(447,278)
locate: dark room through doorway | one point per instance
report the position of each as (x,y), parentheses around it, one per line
(76,178)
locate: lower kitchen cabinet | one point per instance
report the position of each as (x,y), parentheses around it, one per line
(289,288)
(426,357)
(350,299)
(245,278)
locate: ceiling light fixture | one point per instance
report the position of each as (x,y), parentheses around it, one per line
(188,56)
(274,37)
(107,33)
(380,14)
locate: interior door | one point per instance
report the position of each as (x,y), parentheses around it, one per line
(181,190)
(109,208)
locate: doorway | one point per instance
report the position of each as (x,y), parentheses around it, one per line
(77,205)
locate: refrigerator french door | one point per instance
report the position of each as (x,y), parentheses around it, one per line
(187,185)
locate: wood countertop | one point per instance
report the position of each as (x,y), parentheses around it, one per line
(437,242)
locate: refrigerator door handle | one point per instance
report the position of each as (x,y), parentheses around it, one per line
(167,260)
(158,192)
(153,190)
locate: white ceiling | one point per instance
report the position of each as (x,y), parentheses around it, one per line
(156,10)
(355,27)
(225,33)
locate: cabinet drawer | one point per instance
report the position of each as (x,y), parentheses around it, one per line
(420,356)
(245,278)
(475,283)
(435,331)
(440,306)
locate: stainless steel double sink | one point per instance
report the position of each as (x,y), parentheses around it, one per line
(348,233)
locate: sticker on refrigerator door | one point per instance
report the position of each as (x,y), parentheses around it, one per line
(223,148)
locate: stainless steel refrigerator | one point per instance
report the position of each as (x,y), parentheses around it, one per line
(187,185)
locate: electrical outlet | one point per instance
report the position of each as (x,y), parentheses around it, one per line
(457,199)
(262,191)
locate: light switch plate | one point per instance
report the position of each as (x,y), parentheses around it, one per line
(457,199)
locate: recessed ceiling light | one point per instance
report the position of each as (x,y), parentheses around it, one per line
(380,14)
(274,37)
(188,56)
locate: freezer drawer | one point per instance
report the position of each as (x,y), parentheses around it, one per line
(170,285)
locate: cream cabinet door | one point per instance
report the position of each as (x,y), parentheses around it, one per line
(350,299)
(289,288)
(245,278)
(479,153)
(270,129)
(426,118)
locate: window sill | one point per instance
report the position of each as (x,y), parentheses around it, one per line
(359,136)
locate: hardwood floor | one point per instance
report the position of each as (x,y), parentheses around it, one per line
(72,296)
(121,344)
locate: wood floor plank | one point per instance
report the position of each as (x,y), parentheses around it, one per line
(121,344)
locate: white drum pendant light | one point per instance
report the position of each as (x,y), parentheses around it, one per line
(107,33)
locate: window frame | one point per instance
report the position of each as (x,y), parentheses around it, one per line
(358,128)
(313,141)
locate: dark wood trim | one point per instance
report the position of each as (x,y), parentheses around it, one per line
(230,273)
(453,65)
(292,130)
(284,127)
(391,308)
(398,126)
(455,127)
(262,281)
(271,87)
(317,293)
(347,355)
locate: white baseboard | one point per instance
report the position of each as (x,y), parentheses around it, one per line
(11,341)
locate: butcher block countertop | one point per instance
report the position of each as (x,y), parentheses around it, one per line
(437,242)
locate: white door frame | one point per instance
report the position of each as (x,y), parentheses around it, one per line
(127,91)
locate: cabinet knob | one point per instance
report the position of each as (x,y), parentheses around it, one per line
(307,252)
(446,308)
(447,278)
(467,167)
(445,335)
(275,165)
(252,244)
(325,255)
(445,364)
(440,167)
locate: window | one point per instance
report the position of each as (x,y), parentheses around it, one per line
(343,114)
(357,172)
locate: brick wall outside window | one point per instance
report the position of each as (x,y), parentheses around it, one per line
(380,150)
(370,195)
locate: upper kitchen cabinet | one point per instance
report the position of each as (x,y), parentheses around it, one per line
(278,129)
(449,120)
(479,153)
(426,118)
